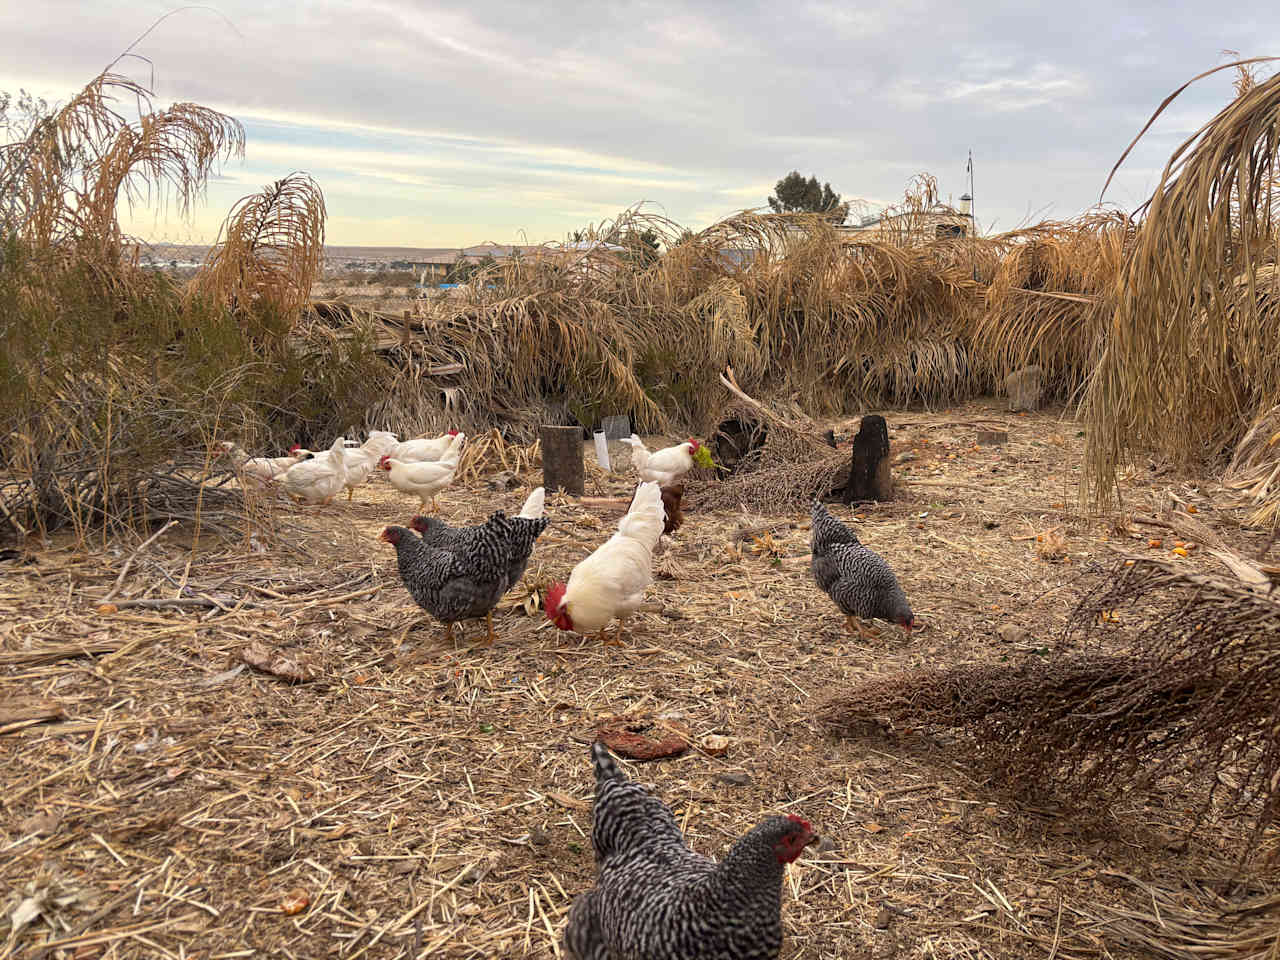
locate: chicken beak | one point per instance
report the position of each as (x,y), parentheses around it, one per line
(813,840)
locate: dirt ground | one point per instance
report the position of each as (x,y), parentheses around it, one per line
(422,799)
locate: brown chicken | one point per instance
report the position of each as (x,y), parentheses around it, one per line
(671,502)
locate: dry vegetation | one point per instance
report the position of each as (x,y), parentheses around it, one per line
(234,734)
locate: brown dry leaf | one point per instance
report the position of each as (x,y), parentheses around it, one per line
(715,745)
(872,827)
(627,743)
(108,608)
(295,901)
(568,802)
(261,657)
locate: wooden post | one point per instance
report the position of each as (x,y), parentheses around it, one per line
(562,459)
(869,475)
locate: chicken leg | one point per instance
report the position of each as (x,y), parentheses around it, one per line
(448,633)
(854,624)
(617,636)
(488,617)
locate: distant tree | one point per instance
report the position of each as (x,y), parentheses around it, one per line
(794,194)
(642,247)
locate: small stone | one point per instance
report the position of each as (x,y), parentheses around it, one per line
(883,919)
(503,480)
(1012,633)
(734,778)
(40,823)
(399,868)
(539,837)
(905,457)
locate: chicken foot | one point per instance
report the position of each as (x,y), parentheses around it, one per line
(488,617)
(617,636)
(854,624)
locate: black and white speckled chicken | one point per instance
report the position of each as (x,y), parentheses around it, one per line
(857,579)
(655,899)
(462,581)
(523,531)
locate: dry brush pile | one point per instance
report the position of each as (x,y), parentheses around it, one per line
(114,382)
(1188,697)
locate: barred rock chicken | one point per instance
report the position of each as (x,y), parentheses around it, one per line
(655,899)
(524,531)
(425,478)
(611,582)
(422,449)
(857,579)
(461,581)
(663,467)
(263,469)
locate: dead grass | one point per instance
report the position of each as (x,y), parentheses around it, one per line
(432,800)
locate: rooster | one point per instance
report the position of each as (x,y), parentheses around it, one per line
(461,581)
(611,582)
(422,449)
(524,530)
(655,899)
(424,479)
(663,467)
(857,579)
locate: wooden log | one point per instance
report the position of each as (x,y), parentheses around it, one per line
(991,438)
(562,460)
(869,474)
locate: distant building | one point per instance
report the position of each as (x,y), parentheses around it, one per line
(941,221)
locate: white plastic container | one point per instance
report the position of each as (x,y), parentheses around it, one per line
(602,450)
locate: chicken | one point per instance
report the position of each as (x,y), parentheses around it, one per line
(317,480)
(462,580)
(671,497)
(663,467)
(423,449)
(655,899)
(611,582)
(263,469)
(361,460)
(857,579)
(423,479)
(524,531)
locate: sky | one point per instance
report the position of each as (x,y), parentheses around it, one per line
(430,125)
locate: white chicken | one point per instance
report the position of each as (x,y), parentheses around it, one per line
(423,449)
(611,582)
(361,460)
(317,480)
(423,479)
(663,467)
(262,469)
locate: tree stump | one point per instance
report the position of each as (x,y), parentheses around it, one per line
(1024,387)
(869,474)
(562,459)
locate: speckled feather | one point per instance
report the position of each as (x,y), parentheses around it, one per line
(655,899)
(856,578)
(462,576)
(518,537)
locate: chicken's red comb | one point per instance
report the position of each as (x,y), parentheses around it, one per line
(453,433)
(295,448)
(383,462)
(800,820)
(554,596)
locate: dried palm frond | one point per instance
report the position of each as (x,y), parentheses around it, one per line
(1194,334)
(269,252)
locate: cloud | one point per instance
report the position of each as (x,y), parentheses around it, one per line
(433,124)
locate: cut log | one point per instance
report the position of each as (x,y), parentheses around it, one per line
(869,474)
(562,460)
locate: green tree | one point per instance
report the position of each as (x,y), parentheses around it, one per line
(794,194)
